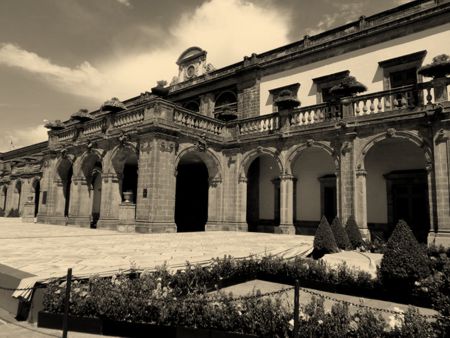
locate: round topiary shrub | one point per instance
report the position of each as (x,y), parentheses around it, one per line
(340,235)
(404,261)
(353,233)
(324,241)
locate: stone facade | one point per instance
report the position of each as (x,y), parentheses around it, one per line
(120,167)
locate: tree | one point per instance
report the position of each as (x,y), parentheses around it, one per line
(324,241)
(353,233)
(404,261)
(340,235)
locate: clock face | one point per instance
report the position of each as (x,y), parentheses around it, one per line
(190,71)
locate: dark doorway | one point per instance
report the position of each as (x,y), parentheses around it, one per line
(5,195)
(405,78)
(37,193)
(253,195)
(96,190)
(130,180)
(328,196)
(408,200)
(67,185)
(191,205)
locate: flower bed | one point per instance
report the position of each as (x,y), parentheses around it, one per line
(181,300)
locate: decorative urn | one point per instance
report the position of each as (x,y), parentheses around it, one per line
(114,105)
(128,196)
(349,86)
(82,115)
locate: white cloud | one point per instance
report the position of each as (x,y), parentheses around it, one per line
(228,30)
(81,80)
(345,13)
(19,138)
(124,2)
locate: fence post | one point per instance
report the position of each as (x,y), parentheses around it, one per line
(66,303)
(296,309)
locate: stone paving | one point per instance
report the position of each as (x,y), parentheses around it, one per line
(48,250)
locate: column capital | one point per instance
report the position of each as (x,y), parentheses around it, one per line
(287,177)
(361,172)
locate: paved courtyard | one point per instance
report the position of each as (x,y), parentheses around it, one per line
(48,250)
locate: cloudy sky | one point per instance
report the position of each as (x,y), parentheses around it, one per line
(57,56)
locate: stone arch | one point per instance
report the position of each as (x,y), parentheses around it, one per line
(34,182)
(226,97)
(119,155)
(294,154)
(397,181)
(253,154)
(406,135)
(86,161)
(209,159)
(63,165)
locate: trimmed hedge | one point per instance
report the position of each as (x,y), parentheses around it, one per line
(353,233)
(324,241)
(340,235)
(404,261)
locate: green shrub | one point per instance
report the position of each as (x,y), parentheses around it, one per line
(353,233)
(324,241)
(340,235)
(404,261)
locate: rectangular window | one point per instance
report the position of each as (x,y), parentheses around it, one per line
(402,71)
(324,84)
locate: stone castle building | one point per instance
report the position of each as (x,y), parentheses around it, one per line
(352,121)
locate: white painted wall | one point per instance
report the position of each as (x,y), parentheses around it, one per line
(267,172)
(363,64)
(308,167)
(384,157)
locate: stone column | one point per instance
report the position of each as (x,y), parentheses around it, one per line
(440,196)
(287,204)
(155,207)
(215,207)
(207,104)
(28,209)
(241,205)
(80,203)
(361,202)
(111,199)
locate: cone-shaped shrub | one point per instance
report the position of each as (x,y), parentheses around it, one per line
(324,241)
(340,235)
(404,260)
(353,233)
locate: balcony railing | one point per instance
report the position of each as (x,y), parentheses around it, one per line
(411,98)
(198,122)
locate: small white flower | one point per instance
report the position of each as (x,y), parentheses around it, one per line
(320,322)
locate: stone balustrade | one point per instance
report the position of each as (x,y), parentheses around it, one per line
(198,122)
(93,127)
(128,118)
(260,124)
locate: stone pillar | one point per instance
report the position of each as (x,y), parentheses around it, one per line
(207,104)
(215,207)
(287,204)
(440,196)
(80,203)
(155,202)
(361,202)
(248,95)
(127,214)
(28,209)
(440,89)
(241,204)
(111,200)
